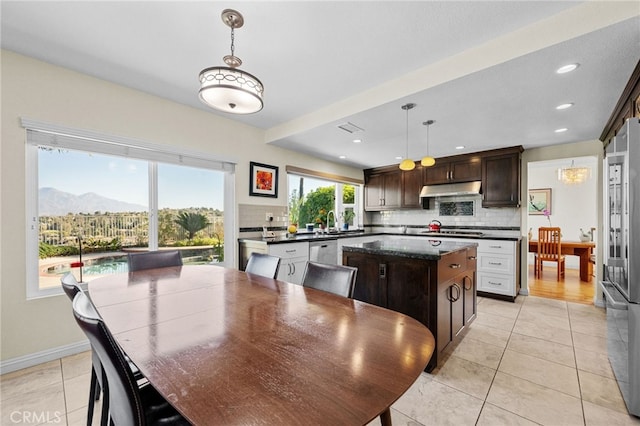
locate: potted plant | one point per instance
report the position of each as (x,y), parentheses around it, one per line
(347,216)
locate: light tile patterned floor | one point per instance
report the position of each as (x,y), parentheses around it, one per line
(536,361)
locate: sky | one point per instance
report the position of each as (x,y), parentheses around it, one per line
(125,179)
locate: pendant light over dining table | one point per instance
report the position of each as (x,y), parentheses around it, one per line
(230,89)
(407,164)
(428,161)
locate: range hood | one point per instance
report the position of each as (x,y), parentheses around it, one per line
(451,189)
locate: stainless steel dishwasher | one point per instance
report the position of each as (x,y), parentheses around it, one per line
(324,251)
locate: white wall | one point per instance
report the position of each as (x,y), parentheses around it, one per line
(572,206)
(46,93)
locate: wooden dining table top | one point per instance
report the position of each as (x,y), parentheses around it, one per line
(227,347)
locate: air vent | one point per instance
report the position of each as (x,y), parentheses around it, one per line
(350,127)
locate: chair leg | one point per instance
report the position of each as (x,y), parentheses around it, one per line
(93,390)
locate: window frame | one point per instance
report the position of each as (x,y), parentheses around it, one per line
(37,134)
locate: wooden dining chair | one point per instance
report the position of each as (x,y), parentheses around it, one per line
(263,264)
(336,279)
(153,259)
(549,250)
(129,402)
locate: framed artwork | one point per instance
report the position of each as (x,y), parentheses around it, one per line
(539,201)
(263,180)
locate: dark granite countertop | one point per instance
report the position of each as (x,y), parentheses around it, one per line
(301,237)
(411,248)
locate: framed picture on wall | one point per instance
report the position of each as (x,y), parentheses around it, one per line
(263,180)
(539,201)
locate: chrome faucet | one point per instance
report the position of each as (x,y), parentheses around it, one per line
(333,228)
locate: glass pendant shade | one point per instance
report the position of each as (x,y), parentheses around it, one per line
(428,161)
(230,90)
(407,164)
(573,175)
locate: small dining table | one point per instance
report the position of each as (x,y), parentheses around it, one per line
(582,249)
(227,347)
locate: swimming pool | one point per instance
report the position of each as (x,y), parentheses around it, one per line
(98,266)
(114,264)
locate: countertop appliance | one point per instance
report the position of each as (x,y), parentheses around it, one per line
(435,225)
(621,285)
(324,251)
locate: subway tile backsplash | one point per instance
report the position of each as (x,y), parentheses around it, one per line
(507,217)
(252,216)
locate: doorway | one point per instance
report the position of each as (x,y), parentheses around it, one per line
(571,206)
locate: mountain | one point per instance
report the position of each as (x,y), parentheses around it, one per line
(53,202)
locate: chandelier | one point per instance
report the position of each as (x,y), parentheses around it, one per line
(407,164)
(230,89)
(573,175)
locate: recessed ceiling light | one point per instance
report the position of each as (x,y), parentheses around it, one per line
(342,157)
(567,68)
(399,158)
(357,140)
(564,129)
(565,106)
(460,147)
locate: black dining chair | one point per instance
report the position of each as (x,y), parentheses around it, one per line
(71,287)
(263,264)
(129,403)
(336,279)
(153,259)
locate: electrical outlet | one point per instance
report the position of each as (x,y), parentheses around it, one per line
(268,217)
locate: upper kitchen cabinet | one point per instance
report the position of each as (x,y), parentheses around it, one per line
(390,188)
(461,168)
(628,106)
(382,190)
(501,178)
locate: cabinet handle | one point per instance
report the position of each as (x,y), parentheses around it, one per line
(289,265)
(291,251)
(495,246)
(454,266)
(455,287)
(451,175)
(382,270)
(293,265)
(492,283)
(468,279)
(472,258)
(495,263)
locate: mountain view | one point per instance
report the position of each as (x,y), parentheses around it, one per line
(53,202)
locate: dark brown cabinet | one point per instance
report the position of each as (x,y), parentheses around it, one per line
(454,170)
(383,190)
(391,188)
(501,179)
(411,186)
(432,292)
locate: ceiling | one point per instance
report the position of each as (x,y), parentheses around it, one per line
(484,71)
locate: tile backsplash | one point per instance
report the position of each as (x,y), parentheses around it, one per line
(507,217)
(252,217)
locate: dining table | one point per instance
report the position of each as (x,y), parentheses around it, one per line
(228,347)
(582,249)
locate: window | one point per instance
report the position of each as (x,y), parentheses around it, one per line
(312,198)
(92,200)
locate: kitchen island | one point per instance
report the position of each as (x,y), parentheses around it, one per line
(430,280)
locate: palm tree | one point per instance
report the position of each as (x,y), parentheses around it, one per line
(192,222)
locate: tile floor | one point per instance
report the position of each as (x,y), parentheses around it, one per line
(536,361)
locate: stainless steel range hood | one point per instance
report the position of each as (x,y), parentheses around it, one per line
(451,189)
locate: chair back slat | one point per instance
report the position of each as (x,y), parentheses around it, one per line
(549,243)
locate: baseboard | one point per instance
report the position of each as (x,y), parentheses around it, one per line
(30,360)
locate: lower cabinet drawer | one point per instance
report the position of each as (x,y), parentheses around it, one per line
(496,263)
(494,283)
